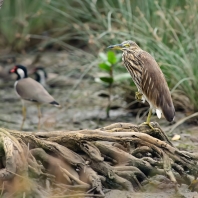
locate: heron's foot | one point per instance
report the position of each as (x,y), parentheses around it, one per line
(149,124)
(193,185)
(138,96)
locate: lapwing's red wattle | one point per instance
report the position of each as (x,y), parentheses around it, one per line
(12,70)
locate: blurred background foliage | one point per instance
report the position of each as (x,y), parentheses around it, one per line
(166,29)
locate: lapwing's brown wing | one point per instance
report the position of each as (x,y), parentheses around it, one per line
(29,89)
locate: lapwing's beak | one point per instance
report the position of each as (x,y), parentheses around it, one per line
(12,70)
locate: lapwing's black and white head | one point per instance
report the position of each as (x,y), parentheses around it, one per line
(40,75)
(20,71)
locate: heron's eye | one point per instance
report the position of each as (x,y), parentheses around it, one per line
(127,45)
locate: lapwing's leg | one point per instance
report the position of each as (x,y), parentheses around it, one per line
(39,115)
(148,119)
(24,116)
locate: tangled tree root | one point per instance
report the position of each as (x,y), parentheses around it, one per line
(86,163)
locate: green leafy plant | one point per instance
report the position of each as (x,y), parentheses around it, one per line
(108,64)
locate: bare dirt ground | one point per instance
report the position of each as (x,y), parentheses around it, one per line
(72,83)
(74,87)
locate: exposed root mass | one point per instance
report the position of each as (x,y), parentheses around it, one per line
(86,163)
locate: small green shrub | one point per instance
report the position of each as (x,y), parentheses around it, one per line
(109,63)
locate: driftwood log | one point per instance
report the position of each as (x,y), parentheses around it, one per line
(87,163)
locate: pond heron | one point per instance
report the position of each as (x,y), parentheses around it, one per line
(148,78)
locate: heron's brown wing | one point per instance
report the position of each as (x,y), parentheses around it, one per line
(29,89)
(154,86)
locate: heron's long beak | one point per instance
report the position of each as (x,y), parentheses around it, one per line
(117,46)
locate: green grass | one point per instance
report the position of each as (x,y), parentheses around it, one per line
(166,29)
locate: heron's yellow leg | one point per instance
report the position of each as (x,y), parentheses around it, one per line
(193,184)
(24,116)
(148,119)
(39,116)
(138,96)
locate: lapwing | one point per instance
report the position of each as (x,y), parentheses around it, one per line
(30,91)
(41,75)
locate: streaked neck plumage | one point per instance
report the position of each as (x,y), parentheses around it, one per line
(133,64)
